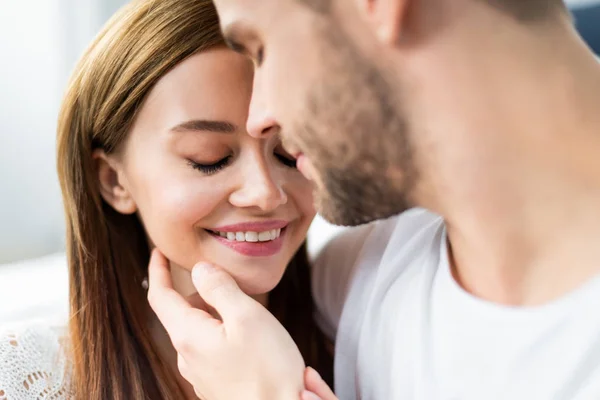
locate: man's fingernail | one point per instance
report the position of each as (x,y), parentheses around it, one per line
(199,269)
(314,374)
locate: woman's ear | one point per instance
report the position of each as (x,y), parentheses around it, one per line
(111,183)
(388,18)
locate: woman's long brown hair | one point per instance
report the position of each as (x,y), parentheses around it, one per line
(110,345)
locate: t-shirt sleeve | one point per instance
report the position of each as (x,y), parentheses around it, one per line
(332,272)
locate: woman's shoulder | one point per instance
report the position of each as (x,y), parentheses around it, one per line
(33,363)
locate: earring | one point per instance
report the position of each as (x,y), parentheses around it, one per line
(145,284)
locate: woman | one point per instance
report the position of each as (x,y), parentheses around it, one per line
(153,152)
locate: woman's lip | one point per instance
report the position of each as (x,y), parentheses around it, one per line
(255,226)
(254,249)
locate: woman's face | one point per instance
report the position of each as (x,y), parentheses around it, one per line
(206,190)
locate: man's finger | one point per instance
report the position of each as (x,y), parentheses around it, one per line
(219,290)
(306,395)
(316,385)
(170,307)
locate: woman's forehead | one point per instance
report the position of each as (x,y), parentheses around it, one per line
(211,85)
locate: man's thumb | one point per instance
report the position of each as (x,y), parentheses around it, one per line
(219,290)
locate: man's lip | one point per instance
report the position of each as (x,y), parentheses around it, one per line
(301,165)
(255,226)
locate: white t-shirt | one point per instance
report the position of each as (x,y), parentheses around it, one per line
(404,329)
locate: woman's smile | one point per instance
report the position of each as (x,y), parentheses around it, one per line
(255,239)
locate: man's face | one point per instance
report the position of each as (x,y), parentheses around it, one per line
(337,108)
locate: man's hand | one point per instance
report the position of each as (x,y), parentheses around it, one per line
(244,354)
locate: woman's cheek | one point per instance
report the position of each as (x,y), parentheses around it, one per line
(174,223)
(302,190)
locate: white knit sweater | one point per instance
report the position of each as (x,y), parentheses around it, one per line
(33,364)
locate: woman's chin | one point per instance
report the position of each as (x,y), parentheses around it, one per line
(254,284)
(254,288)
(253,279)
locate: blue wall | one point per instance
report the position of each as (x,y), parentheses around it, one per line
(587,20)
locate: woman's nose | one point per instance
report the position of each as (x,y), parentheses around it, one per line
(259,189)
(261,123)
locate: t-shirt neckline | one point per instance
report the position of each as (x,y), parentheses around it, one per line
(567,303)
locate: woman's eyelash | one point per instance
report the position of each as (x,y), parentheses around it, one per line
(210,169)
(288,162)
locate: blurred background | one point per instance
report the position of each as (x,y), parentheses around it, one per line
(40,41)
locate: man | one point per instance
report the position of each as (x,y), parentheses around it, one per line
(485,112)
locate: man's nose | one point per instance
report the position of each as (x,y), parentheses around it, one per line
(261,122)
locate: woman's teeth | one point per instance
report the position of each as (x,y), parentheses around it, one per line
(251,236)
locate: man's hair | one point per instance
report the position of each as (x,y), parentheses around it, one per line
(528,10)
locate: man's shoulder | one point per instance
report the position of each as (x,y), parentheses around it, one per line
(356,255)
(411,229)
(408,234)
(379,236)
(416,221)
(405,234)
(390,247)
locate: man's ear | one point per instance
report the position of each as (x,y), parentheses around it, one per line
(111,183)
(388,18)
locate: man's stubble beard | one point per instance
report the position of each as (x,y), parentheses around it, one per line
(357,139)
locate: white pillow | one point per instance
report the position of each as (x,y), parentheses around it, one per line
(34,289)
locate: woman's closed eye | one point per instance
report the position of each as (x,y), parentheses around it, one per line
(286,159)
(210,169)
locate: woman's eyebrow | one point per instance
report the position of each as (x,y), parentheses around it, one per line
(203,125)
